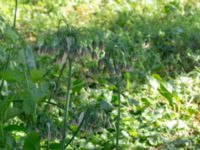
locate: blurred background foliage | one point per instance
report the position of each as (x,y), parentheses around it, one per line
(156,45)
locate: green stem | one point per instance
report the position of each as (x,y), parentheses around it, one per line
(15,16)
(119,113)
(67,105)
(118,75)
(14,23)
(54,104)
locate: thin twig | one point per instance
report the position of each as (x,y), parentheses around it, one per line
(54,104)
(51,103)
(78,129)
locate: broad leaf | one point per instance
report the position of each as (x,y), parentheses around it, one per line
(165,93)
(12,75)
(4,105)
(15,127)
(12,112)
(36,75)
(32,141)
(29,106)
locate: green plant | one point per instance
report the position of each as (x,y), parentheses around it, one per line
(99,75)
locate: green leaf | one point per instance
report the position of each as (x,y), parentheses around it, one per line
(4,105)
(165,93)
(146,101)
(55,146)
(1,132)
(36,75)
(73,128)
(15,127)
(157,77)
(12,112)
(38,92)
(114,100)
(11,35)
(33,96)
(32,141)
(30,60)
(29,106)
(105,106)
(133,133)
(77,85)
(12,75)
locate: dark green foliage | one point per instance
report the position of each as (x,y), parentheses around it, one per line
(99,75)
(32,141)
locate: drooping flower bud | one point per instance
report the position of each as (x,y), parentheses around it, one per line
(94,55)
(69,43)
(94,44)
(101,64)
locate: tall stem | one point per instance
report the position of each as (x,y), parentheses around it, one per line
(15,16)
(14,23)
(118,75)
(67,104)
(119,112)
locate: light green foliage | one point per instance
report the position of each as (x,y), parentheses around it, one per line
(151,46)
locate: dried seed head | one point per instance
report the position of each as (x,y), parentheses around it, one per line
(84,52)
(111,70)
(121,66)
(94,55)
(107,67)
(93,70)
(101,63)
(128,68)
(107,56)
(132,58)
(78,51)
(81,52)
(89,49)
(101,45)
